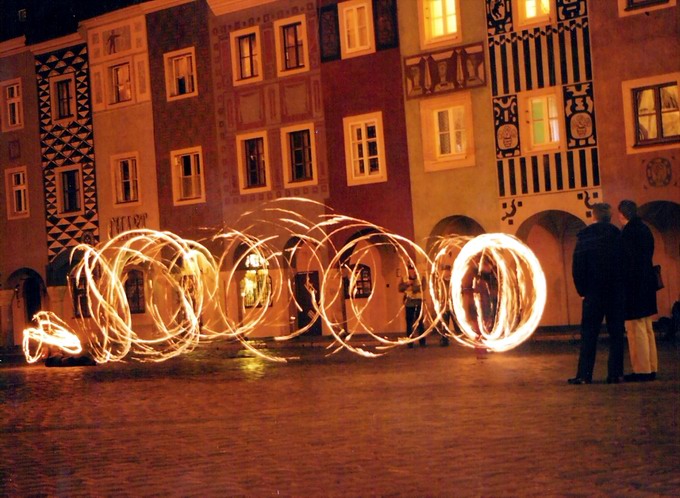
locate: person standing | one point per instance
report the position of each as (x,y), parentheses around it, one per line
(598,277)
(413,306)
(640,291)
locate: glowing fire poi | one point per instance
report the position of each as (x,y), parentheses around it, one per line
(494,297)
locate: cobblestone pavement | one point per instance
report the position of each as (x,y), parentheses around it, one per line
(417,422)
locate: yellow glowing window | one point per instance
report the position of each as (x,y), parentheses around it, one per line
(534,10)
(443,17)
(256,285)
(544,121)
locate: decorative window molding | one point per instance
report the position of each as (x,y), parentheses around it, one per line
(292,53)
(357,36)
(12,112)
(246,56)
(447,132)
(365,149)
(253,162)
(63,98)
(533,12)
(298,150)
(188,177)
(181,79)
(633,7)
(70,199)
(651,113)
(16,188)
(541,116)
(125,174)
(439,22)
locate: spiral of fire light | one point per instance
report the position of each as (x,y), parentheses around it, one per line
(493,297)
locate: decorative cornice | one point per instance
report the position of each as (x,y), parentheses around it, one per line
(57,43)
(13,46)
(220,7)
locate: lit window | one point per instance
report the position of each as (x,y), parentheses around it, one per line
(245,55)
(447,132)
(256,286)
(291,45)
(657,114)
(69,190)
(12,112)
(180,74)
(134,291)
(542,125)
(253,162)
(126,179)
(121,87)
(299,155)
(439,21)
(188,178)
(364,149)
(17,193)
(533,11)
(356,28)
(63,92)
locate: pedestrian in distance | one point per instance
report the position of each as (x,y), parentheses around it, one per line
(640,287)
(412,289)
(598,277)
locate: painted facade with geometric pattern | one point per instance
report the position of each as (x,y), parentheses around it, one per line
(68,142)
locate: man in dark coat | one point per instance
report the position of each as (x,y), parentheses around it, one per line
(597,273)
(640,290)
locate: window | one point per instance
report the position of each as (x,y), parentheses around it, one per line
(641,4)
(447,132)
(439,22)
(17,193)
(657,115)
(69,190)
(180,74)
(356,28)
(12,107)
(253,162)
(134,291)
(299,155)
(245,56)
(291,45)
(359,284)
(542,123)
(364,149)
(126,178)
(530,12)
(188,179)
(121,86)
(63,93)
(256,286)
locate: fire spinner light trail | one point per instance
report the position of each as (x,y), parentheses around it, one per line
(493,297)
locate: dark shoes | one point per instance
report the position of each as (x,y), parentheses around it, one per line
(579,380)
(639,377)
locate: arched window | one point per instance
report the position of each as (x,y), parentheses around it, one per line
(134,291)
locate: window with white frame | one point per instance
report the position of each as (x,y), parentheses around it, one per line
(253,160)
(529,12)
(63,97)
(180,74)
(126,178)
(12,112)
(299,155)
(69,190)
(120,83)
(542,120)
(291,45)
(657,114)
(447,132)
(17,192)
(188,185)
(365,149)
(245,56)
(439,22)
(356,28)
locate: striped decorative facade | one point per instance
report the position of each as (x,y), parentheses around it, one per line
(555,55)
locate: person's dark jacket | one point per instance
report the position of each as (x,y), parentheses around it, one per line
(597,263)
(639,277)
